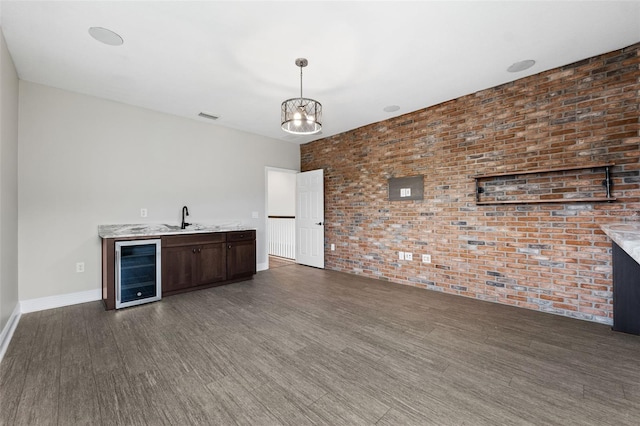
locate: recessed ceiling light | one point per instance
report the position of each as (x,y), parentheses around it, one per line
(391,108)
(105,36)
(521,66)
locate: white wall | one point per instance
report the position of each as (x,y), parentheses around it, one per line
(85,161)
(282,193)
(8,185)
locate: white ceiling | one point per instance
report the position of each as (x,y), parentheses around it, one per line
(236,59)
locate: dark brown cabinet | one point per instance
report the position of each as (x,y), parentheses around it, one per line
(177,268)
(626,292)
(211,264)
(193,261)
(241,254)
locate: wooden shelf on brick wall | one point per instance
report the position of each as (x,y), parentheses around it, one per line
(607,183)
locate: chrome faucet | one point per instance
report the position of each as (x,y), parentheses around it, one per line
(185,212)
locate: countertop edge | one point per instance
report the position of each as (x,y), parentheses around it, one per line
(149,230)
(627,239)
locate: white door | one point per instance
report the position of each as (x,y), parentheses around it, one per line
(310,218)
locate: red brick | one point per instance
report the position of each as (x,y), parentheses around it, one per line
(512,130)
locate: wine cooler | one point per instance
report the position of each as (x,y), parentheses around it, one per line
(137,272)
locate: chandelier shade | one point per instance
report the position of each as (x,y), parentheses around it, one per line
(301,116)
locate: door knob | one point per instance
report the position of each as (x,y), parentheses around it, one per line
(319,223)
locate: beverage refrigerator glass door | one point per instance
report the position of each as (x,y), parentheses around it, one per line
(137,272)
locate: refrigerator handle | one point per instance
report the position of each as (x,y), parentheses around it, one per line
(118,274)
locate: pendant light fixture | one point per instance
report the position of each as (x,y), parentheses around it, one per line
(301,116)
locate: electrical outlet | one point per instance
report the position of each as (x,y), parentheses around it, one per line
(333,247)
(401,255)
(426,258)
(143,212)
(408,256)
(80,267)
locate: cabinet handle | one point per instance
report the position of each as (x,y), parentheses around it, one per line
(117,275)
(229,246)
(193,250)
(241,235)
(199,250)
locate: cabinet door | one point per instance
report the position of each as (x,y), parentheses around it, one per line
(211,263)
(178,266)
(241,259)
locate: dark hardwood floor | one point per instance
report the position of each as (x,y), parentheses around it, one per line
(279,262)
(299,346)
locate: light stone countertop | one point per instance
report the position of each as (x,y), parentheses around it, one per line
(626,235)
(158,229)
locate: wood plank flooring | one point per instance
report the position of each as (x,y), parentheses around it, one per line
(303,346)
(278,262)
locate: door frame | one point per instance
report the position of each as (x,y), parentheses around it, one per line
(267,169)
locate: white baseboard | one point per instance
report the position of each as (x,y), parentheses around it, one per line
(262,266)
(50,302)
(9,328)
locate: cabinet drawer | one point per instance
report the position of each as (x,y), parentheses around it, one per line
(192,239)
(241,235)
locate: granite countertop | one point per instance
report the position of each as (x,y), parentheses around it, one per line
(158,229)
(626,235)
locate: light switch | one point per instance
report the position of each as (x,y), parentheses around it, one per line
(405,192)
(255,215)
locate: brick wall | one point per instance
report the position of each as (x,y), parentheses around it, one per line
(551,257)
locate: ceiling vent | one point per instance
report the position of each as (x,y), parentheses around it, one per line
(209,116)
